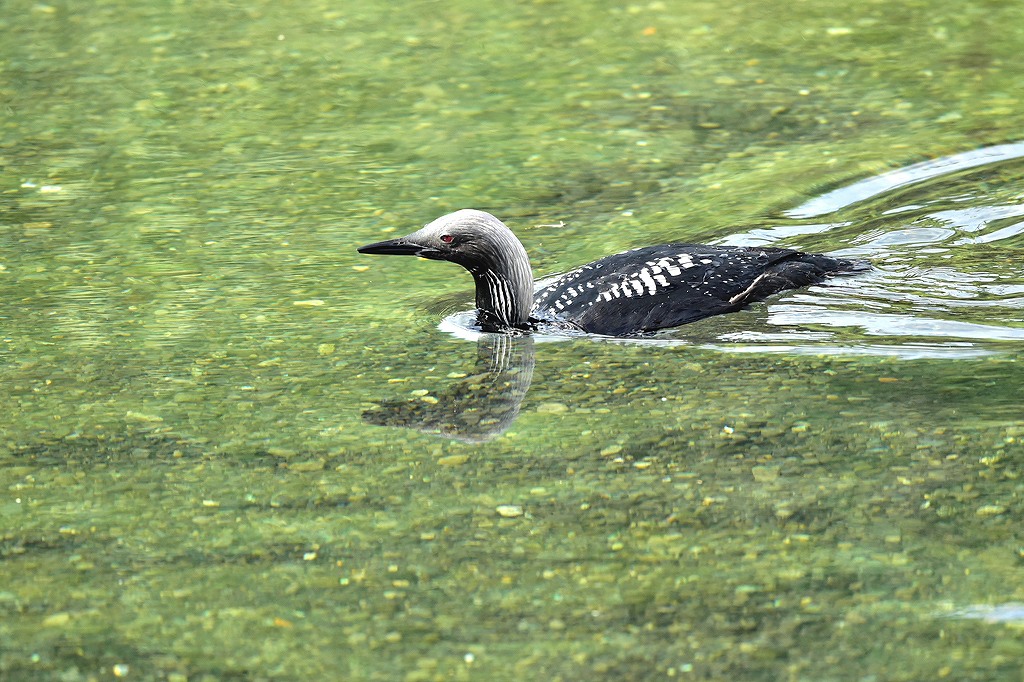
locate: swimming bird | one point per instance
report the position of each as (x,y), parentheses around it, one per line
(627,294)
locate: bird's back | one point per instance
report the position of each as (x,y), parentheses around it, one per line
(655,287)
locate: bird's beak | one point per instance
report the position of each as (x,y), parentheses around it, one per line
(394,247)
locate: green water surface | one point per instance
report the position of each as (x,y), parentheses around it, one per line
(189,342)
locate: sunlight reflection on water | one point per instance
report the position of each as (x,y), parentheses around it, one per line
(1010,612)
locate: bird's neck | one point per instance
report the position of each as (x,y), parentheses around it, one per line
(504,289)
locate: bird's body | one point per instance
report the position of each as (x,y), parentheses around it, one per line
(626,294)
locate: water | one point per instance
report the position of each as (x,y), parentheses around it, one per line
(195,362)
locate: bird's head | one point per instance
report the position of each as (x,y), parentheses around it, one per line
(473,239)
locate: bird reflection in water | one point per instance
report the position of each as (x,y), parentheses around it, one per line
(475,409)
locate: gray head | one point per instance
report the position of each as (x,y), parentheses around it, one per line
(486,247)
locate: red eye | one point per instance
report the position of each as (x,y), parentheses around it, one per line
(447,238)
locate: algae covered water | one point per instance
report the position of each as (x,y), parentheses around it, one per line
(231,447)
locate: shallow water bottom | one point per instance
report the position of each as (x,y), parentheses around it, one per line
(762,545)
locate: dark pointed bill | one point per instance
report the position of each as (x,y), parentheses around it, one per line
(393,247)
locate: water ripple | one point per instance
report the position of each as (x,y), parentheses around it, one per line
(946,282)
(885,183)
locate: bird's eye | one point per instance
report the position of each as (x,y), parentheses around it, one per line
(447,238)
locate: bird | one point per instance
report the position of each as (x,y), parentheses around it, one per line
(630,294)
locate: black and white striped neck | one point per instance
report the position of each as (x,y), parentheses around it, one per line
(500,301)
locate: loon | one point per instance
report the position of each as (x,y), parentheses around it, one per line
(628,294)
